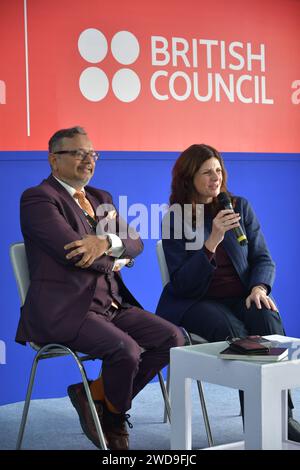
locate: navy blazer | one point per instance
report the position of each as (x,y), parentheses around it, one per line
(191,271)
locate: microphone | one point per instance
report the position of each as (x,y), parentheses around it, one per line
(225,202)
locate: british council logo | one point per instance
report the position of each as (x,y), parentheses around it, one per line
(93,81)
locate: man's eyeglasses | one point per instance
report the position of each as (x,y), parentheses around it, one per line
(79,154)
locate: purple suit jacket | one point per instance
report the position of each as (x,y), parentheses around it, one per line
(60,294)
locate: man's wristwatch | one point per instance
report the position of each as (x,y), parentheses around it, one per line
(130,263)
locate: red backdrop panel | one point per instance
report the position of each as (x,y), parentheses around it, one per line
(118,107)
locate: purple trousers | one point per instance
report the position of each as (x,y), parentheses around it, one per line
(134,346)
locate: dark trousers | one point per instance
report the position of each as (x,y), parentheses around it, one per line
(134,346)
(216,319)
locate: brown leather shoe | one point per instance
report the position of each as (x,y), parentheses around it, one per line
(79,400)
(114,427)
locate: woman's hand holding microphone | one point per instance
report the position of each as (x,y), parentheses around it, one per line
(225,220)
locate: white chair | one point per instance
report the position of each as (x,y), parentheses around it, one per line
(192,339)
(21,272)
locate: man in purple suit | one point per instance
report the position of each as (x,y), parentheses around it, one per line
(77,296)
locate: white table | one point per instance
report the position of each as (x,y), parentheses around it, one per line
(265,386)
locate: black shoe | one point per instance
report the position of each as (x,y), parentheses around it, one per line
(293,430)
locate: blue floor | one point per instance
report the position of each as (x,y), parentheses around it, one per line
(53,423)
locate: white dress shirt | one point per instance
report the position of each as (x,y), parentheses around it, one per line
(117,247)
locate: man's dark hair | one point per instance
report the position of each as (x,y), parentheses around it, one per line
(61,134)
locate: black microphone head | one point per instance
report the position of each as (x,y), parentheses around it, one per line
(225,202)
(224,199)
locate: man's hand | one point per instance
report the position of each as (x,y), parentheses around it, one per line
(259,296)
(120,263)
(91,247)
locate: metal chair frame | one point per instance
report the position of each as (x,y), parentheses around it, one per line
(191,339)
(49,351)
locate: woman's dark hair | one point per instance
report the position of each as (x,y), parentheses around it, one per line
(184,170)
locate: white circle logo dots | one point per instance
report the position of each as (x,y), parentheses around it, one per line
(92,45)
(93,84)
(93,81)
(125,47)
(126,85)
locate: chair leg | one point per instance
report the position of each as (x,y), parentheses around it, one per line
(202,400)
(205,415)
(91,402)
(27,402)
(86,387)
(166,417)
(165,396)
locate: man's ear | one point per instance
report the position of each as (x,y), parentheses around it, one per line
(52,159)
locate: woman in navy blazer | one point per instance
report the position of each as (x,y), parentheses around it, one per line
(221,289)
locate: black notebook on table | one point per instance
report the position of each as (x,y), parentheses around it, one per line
(253,348)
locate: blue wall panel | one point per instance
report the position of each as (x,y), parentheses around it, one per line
(269,181)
